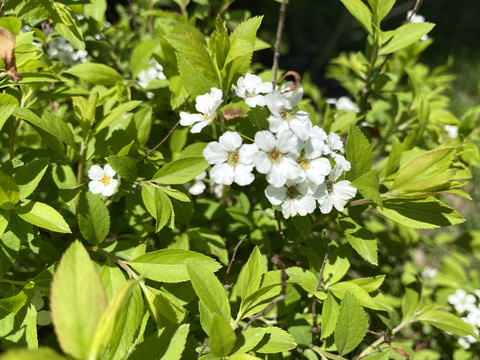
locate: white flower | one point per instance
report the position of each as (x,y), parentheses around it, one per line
(341,162)
(466,341)
(206,105)
(59,48)
(333,144)
(230,163)
(276,156)
(299,123)
(197,186)
(154,72)
(473,316)
(102,180)
(416,18)
(344,103)
(250,87)
(452,131)
(332,193)
(462,301)
(283,100)
(429,272)
(477,292)
(296,199)
(217,189)
(315,167)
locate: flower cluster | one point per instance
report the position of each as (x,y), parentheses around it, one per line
(61,49)
(468,304)
(302,164)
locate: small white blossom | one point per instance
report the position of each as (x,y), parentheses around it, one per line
(473,316)
(59,48)
(230,162)
(416,18)
(217,189)
(334,194)
(462,301)
(206,105)
(276,156)
(102,180)
(250,87)
(296,199)
(299,123)
(452,131)
(283,100)
(429,272)
(316,168)
(333,144)
(197,186)
(341,162)
(344,103)
(154,72)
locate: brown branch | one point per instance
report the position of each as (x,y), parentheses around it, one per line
(280,231)
(276,55)
(164,139)
(233,257)
(320,281)
(121,263)
(1,7)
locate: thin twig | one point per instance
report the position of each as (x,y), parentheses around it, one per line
(320,280)
(276,55)
(279,223)
(164,139)
(202,350)
(2,6)
(233,257)
(121,263)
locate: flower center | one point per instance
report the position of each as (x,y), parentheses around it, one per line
(303,163)
(208,118)
(285,115)
(233,158)
(106,180)
(250,93)
(292,192)
(329,185)
(275,156)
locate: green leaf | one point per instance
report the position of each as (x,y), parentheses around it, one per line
(9,192)
(66,23)
(14,303)
(110,317)
(28,177)
(339,289)
(361,12)
(158,204)
(167,344)
(194,82)
(170,265)
(306,279)
(351,326)
(50,123)
(330,310)
(175,194)
(124,166)
(4,218)
(337,265)
(368,185)
(369,284)
(140,56)
(180,171)
(239,47)
(248,339)
(275,340)
(258,117)
(42,215)
(247,30)
(394,158)
(252,275)
(426,213)
(96,74)
(406,35)
(8,104)
(362,240)
(209,290)
(381,8)
(219,42)
(77,300)
(222,338)
(42,353)
(164,308)
(116,113)
(359,153)
(425,173)
(409,304)
(93,218)
(446,321)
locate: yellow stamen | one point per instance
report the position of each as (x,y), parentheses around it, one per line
(106,180)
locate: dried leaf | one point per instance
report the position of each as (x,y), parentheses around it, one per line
(7,54)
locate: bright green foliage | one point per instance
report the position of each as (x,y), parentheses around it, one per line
(222,338)
(93,218)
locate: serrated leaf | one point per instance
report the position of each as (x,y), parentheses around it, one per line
(426,213)
(8,104)
(180,171)
(167,344)
(140,56)
(124,166)
(116,113)
(66,23)
(78,301)
(9,192)
(425,173)
(239,47)
(252,275)
(361,12)
(368,185)
(339,289)
(337,265)
(446,321)
(158,205)
(306,279)
(258,117)
(93,218)
(362,240)
(222,338)
(164,308)
(275,340)
(109,320)
(351,326)
(170,265)
(406,35)
(330,310)
(209,290)
(369,284)
(42,353)
(248,339)
(219,42)
(194,82)
(381,8)
(28,177)
(42,215)
(359,153)
(247,30)
(96,74)
(50,123)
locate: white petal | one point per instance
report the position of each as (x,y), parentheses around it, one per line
(338,202)
(290,168)
(222,174)
(301,126)
(96,186)
(319,132)
(276,176)
(258,100)
(110,188)
(230,140)
(201,176)
(305,205)
(276,195)
(341,162)
(321,192)
(326,204)
(319,169)
(107,169)
(197,188)
(288,142)
(247,153)
(187,119)
(277,124)
(313,147)
(262,162)
(243,174)
(95,172)
(289,208)
(214,153)
(265,140)
(198,127)
(343,190)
